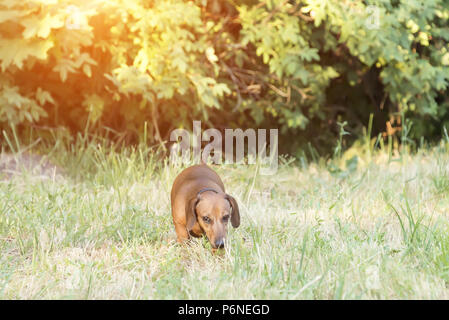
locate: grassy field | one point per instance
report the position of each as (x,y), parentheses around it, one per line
(103,230)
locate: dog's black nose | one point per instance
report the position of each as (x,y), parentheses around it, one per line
(219,243)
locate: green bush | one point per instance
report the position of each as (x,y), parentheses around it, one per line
(347,59)
(301,66)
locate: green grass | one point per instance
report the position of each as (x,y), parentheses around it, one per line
(104,230)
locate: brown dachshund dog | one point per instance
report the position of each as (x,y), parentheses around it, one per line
(201,206)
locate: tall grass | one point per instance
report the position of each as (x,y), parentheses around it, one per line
(376,228)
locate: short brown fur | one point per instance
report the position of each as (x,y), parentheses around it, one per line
(201,206)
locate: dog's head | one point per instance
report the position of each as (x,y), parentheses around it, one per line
(213,211)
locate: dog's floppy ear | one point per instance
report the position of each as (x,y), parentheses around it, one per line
(235,216)
(191,212)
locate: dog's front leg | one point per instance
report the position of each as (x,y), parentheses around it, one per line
(181,232)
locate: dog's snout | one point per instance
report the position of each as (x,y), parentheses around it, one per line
(219,243)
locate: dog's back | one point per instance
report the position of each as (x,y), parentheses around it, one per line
(200,173)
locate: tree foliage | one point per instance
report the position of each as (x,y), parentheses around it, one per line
(301,66)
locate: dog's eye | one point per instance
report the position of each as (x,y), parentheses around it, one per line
(206,219)
(226,217)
